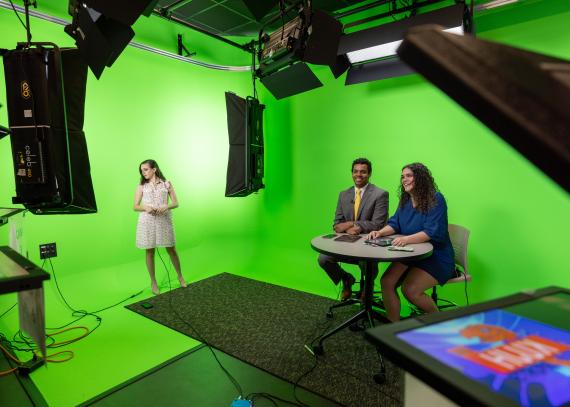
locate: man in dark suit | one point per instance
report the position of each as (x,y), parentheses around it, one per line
(360,209)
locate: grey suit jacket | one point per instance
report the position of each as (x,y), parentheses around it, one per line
(372,212)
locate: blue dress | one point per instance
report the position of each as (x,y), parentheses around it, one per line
(407,221)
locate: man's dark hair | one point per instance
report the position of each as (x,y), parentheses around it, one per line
(362,161)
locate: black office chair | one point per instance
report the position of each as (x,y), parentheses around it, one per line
(356,295)
(459,236)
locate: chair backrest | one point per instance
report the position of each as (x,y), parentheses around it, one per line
(459,236)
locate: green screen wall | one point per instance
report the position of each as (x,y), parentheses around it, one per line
(147,106)
(511,208)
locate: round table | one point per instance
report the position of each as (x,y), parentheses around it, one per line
(367,257)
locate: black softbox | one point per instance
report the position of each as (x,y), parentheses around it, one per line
(100,39)
(45,90)
(125,12)
(102,28)
(245,131)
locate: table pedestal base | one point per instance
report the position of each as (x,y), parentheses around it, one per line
(366,313)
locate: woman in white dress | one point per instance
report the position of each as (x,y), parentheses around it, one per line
(154,228)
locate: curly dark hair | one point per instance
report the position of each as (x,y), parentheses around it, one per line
(152,164)
(424,188)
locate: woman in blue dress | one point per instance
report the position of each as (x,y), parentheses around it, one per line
(421,217)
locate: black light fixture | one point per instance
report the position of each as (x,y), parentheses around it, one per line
(45,94)
(310,37)
(245,159)
(370,54)
(3,130)
(102,28)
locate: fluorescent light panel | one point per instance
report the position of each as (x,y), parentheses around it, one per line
(386,50)
(382,41)
(494,4)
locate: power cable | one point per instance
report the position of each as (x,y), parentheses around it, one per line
(198,334)
(8,310)
(17,15)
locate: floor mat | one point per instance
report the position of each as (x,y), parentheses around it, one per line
(268,327)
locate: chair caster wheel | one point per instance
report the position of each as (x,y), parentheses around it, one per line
(318,349)
(380,378)
(329,315)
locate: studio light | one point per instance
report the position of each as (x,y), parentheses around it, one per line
(371,53)
(494,4)
(311,37)
(102,28)
(45,94)
(245,131)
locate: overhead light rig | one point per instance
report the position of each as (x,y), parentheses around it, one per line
(167,13)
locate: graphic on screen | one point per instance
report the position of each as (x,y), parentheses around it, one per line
(520,358)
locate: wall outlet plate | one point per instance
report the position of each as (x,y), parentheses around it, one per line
(48,250)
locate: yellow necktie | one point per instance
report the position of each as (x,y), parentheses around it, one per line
(356,203)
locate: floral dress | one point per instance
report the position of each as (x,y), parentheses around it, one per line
(155,230)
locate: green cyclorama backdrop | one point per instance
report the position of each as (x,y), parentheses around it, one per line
(147,106)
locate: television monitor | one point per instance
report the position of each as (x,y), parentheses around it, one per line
(510,351)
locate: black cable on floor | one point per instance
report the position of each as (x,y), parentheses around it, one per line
(198,335)
(323,328)
(20,338)
(80,314)
(305,374)
(74,312)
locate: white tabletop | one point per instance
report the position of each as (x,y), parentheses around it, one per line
(360,251)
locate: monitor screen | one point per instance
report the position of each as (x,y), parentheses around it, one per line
(520,351)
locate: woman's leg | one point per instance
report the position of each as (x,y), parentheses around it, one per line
(150,267)
(415,284)
(390,281)
(176,262)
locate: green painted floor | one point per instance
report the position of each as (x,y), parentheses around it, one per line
(126,344)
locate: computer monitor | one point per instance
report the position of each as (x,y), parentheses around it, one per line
(510,351)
